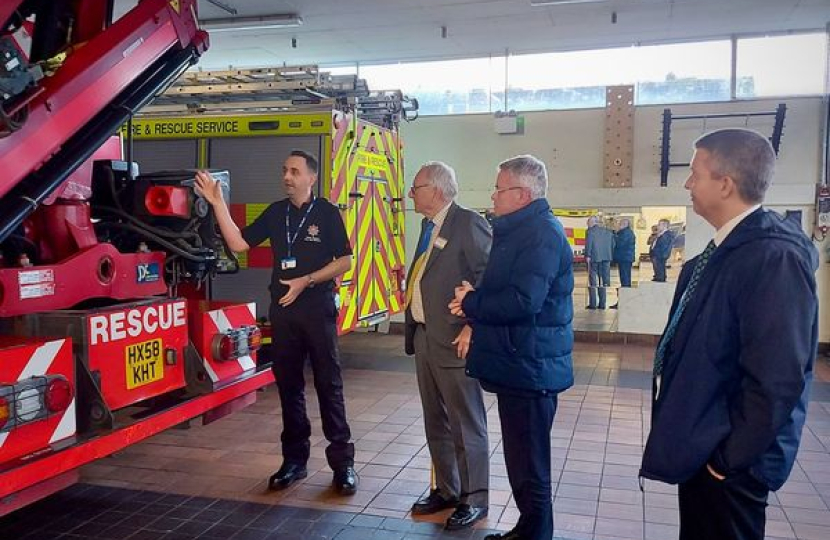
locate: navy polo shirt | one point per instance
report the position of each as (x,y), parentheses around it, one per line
(321,239)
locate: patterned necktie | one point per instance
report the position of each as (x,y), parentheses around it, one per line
(659,356)
(420,256)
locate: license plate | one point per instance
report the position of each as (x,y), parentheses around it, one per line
(144,363)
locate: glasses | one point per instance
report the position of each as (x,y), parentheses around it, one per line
(415,188)
(496,189)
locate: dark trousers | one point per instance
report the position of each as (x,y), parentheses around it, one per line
(525,426)
(659,268)
(731,509)
(300,332)
(625,273)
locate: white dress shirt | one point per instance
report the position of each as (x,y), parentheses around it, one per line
(723,232)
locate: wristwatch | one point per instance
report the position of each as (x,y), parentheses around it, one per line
(311,281)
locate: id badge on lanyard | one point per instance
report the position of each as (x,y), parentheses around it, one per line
(289,262)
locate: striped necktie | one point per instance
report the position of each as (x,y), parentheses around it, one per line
(420,258)
(659,356)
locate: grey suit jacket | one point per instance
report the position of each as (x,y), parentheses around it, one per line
(599,244)
(463,257)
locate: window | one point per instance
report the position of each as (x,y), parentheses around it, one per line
(567,80)
(445,87)
(781,65)
(341,69)
(683,72)
(662,74)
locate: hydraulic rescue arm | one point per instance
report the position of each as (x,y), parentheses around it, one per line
(97,74)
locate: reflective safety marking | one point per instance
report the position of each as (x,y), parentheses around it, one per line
(220,320)
(66,427)
(41,360)
(246,362)
(210,371)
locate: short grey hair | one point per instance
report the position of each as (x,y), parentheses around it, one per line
(441,176)
(530,172)
(744,155)
(625,222)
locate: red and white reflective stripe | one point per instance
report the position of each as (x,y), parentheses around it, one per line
(214,377)
(41,360)
(66,427)
(223,325)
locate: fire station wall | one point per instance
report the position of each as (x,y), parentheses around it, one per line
(571,144)
(255,165)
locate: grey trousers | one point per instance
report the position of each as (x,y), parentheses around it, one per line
(455,422)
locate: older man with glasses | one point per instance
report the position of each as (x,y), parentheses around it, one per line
(453,247)
(522,338)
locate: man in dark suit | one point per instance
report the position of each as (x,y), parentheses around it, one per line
(624,247)
(661,250)
(453,247)
(733,368)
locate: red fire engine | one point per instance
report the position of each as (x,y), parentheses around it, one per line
(104,340)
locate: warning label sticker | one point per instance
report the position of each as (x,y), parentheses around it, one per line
(37,291)
(35,276)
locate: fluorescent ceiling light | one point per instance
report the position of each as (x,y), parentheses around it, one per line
(233,24)
(538,3)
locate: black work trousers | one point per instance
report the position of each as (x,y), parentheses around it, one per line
(526,422)
(308,330)
(731,509)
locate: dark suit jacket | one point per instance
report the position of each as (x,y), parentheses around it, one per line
(463,257)
(661,248)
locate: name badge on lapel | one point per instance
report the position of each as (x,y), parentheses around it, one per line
(440,243)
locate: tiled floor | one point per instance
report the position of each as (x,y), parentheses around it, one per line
(597,441)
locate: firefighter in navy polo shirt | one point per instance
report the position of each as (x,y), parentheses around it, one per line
(310,248)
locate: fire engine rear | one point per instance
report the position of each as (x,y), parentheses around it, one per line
(106,333)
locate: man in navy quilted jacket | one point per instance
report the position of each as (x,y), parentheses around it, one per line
(733,368)
(522,339)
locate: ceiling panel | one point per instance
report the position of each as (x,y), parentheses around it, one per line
(367,31)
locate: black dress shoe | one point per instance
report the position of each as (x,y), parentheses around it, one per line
(434,502)
(510,535)
(590,307)
(345,481)
(465,516)
(287,475)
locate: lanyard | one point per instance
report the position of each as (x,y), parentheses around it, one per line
(289,240)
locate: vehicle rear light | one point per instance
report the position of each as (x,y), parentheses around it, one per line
(226,348)
(59,395)
(4,412)
(27,404)
(236,343)
(254,339)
